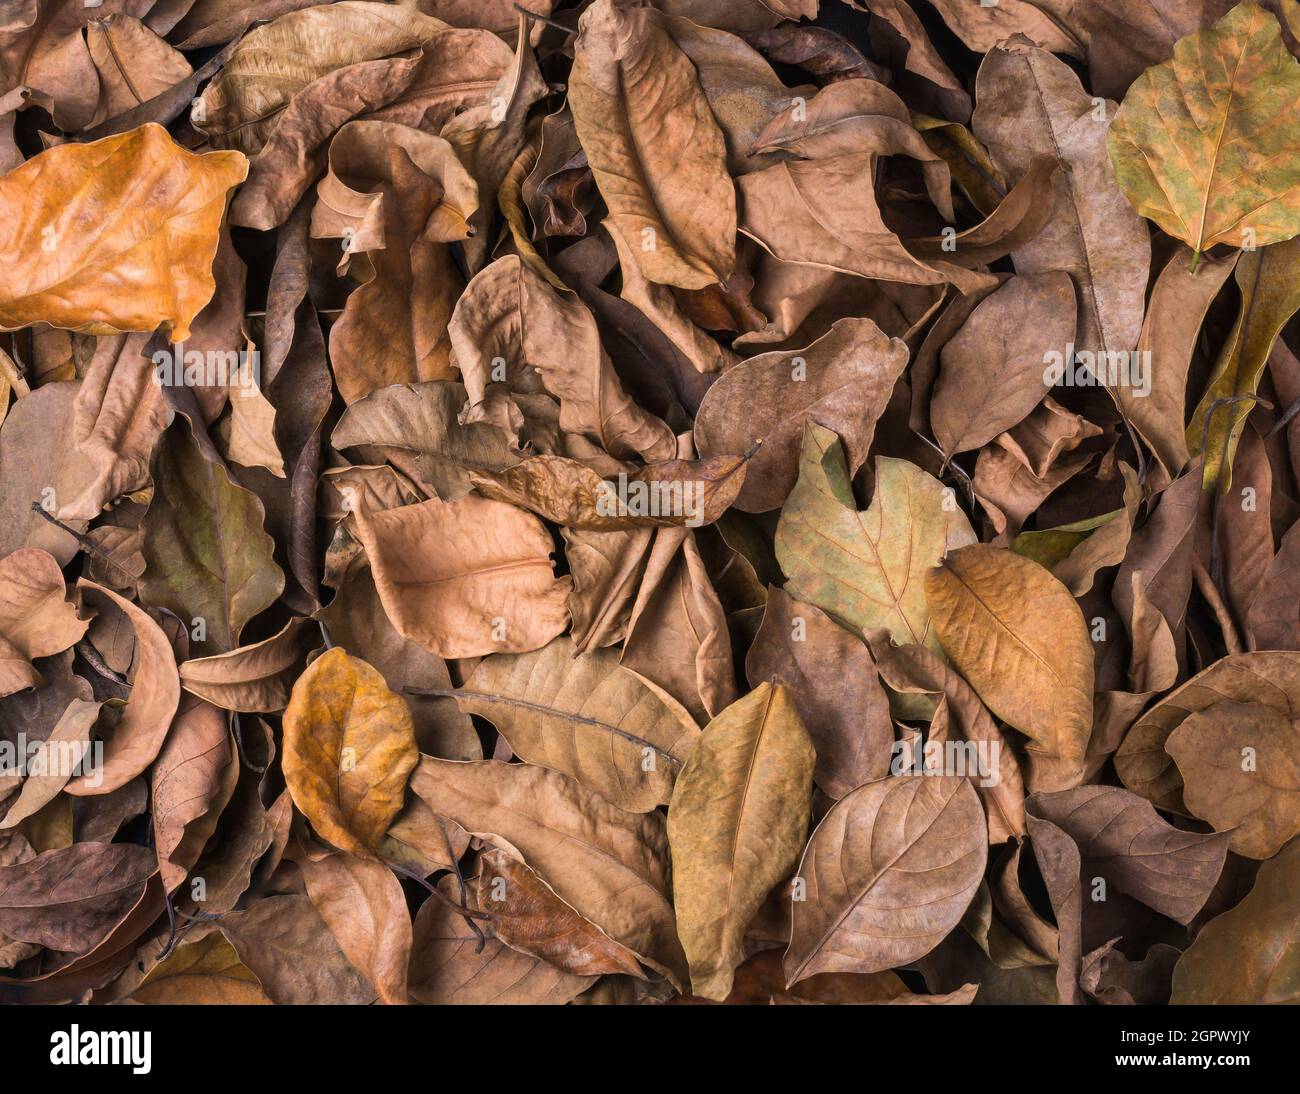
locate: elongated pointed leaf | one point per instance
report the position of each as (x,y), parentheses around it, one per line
(738,817)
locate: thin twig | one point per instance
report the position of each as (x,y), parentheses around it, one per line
(239,745)
(950,464)
(91,656)
(631,738)
(83,541)
(468,914)
(171,927)
(1285,420)
(543,19)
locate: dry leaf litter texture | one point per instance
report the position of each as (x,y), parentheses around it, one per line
(675,502)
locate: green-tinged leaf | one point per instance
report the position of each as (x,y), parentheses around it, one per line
(866,568)
(1269,282)
(207,557)
(1204,143)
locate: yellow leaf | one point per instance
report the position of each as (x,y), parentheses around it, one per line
(349,746)
(115,235)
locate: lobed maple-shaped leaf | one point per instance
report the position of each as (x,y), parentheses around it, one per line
(1204,143)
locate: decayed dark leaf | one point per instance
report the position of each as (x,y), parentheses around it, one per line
(450,964)
(529,917)
(69,899)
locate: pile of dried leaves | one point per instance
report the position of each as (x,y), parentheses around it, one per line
(624,502)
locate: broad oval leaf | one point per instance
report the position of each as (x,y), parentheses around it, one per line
(349,748)
(131,252)
(241,107)
(1202,143)
(587,716)
(192,780)
(466,578)
(1018,636)
(887,875)
(609,865)
(834,686)
(668,192)
(363,905)
(1017,325)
